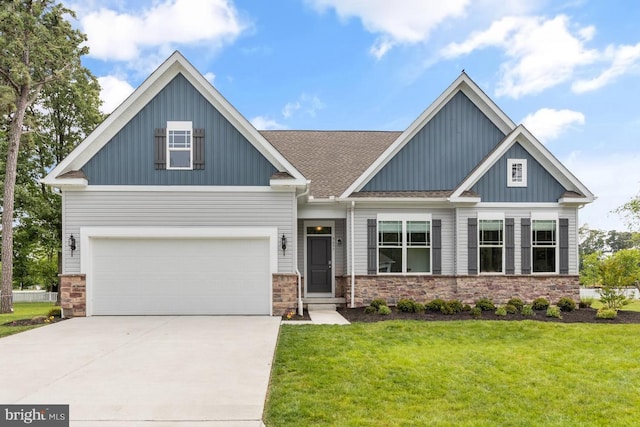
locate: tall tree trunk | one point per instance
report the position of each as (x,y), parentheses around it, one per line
(15,133)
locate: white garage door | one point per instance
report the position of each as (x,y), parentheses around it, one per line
(180,276)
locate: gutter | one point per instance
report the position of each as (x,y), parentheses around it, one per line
(295,255)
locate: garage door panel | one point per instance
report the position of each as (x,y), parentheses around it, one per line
(180,276)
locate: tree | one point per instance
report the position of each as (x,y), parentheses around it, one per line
(631,212)
(39,46)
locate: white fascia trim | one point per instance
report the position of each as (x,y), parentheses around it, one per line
(177,188)
(465,200)
(396,200)
(464,84)
(536,150)
(67,182)
(523,205)
(174,65)
(287,183)
(576,200)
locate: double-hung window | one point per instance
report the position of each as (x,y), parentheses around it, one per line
(544,243)
(516,172)
(180,145)
(491,244)
(404,243)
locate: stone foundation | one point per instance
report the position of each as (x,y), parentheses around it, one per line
(467,289)
(73,295)
(285,293)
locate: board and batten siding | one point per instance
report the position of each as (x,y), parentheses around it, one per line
(442,153)
(463,214)
(177,209)
(362,214)
(229,158)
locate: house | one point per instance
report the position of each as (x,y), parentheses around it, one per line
(176,204)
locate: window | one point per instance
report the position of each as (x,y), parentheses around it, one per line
(491,245)
(543,245)
(516,172)
(179,145)
(404,244)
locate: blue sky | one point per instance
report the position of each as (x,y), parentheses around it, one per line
(569,70)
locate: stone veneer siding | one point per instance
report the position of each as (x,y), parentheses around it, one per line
(467,289)
(73,297)
(285,293)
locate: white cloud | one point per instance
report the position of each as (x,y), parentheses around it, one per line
(290,108)
(113,91)
(264,123)
(306,103)
(410,22)
(623,59)
(210,76)
(547,124)
(115,35)
(541,52)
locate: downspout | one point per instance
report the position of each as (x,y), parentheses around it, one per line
(300,307)
(353,257)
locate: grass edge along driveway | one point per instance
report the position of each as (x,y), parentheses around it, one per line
(23,310)
(468,373)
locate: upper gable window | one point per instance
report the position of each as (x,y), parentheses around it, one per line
(516,172)
(180,145)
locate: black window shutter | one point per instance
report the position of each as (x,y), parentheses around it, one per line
(160,148)
(525,258)
(198,149)
(510,246)
(436,245)
(564,246)
(372,246)
(472,245)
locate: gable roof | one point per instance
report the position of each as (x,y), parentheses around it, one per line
(174,65)
(576,191)
(331,160)
(462,84)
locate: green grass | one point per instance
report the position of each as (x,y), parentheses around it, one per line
(464,373)
(633,306)
(23,310)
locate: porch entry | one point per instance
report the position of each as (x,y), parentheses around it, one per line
(319,260)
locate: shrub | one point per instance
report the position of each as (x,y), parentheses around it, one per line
(456,306)
(476,312)
(406,305)
(586,302)
(446,309)
(554,311)
(527,311)
(370,309)
(466,307)
(517,303)
(378,302)
(566,304)
(55,312)
(511,309)
(435,305)
(418,307)
(606,313)
(611,297)
(501,311)
(384,310)
(540,304)
(485,304)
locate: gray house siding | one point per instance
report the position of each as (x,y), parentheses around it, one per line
(128,158)
(177,209)
(362,214)
(463,214)
(541,186)
(442,153)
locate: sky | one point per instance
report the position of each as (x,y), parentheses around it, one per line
(568,70)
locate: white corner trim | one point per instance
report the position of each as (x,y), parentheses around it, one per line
(178,188)
(463,84)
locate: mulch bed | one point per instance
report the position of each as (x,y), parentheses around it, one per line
(296,316)
(35,321)
(583,315)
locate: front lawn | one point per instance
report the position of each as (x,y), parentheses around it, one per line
(634,305)
(23,310)
(471,373)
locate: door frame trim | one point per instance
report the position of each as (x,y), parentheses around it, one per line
(321,223)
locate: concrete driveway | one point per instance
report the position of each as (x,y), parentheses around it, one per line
(144,371)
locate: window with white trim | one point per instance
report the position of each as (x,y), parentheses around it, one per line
(180,145)
(544,243)
(516,172)
(491,245)
(404,244)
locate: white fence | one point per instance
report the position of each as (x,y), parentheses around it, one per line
(34,296)
(595,293)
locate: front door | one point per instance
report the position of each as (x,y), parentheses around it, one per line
(319,264)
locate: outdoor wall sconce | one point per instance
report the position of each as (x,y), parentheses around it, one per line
(72,244)
(283,241)
(339,242)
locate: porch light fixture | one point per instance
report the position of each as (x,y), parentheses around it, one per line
(283,241)
(72,244)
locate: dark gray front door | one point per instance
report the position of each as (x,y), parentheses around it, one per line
(319,264)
